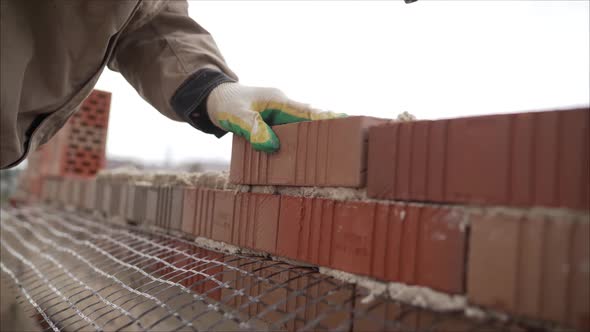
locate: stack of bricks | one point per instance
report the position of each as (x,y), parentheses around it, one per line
(76,151)
(491,208)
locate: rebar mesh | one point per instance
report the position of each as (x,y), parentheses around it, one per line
(80,273)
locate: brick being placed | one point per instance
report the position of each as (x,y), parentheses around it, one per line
(524,160)
(319,153)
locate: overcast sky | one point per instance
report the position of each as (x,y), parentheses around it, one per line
(434,59)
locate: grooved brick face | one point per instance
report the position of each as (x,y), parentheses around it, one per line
(527,159)
(419,245)
(188,209)
(256,221)
(223,216)
(531,266)
(317,153)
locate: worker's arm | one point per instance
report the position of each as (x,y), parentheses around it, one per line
(175,65)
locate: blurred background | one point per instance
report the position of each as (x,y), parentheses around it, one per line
(434,59)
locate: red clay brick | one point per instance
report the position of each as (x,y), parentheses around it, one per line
(319,153)
(204,212)
(521,180)
(527,159)
(129,209)
(536,267)
(223,216)
(138,209)
(382,148)
(189,208)
(151,205)
(579,312)
(256,221)
(352,236)
(493,261)
(411,244)
(291,216)
(90,195)
(176,208)
(72,151)
(441,249)
(574,128)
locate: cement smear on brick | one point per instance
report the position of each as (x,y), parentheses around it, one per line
(213,180)
(405,117)
(220,180)
(338,193)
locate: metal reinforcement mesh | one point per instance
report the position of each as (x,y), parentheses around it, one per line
(79,272)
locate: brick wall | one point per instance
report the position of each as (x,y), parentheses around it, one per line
(492,208)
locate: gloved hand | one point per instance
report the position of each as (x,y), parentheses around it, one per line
(250,111)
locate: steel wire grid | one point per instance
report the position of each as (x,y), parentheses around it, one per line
(78,274)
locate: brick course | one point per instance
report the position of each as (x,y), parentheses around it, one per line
(395,242)
(527,159)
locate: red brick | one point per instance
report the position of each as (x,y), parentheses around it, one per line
(419,159)
(320,153)
(410,244)
(256,221)
(189,208)
(151,205)
(281,166)
(521,180)
(305,229)
(352,236)
(129,208)
(204,212)
(140,203)
(291,216)
(163,207)
(441,250)
(546,158)
(574,141)
(404,161)
(493,261)
(383,150)
(536,267)
(175,208)
(223,216)
(527,159)
(90,195)
(123,201)
(78,149)
(579,312)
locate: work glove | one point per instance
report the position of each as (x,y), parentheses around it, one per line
(250,111)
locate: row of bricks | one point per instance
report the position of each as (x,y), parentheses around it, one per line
(524,160)
(530,265)
(299,292)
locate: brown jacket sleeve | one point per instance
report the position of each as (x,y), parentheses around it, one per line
(163,49)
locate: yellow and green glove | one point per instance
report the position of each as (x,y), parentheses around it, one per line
(250,111)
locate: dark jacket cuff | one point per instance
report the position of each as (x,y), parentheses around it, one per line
(189,101)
